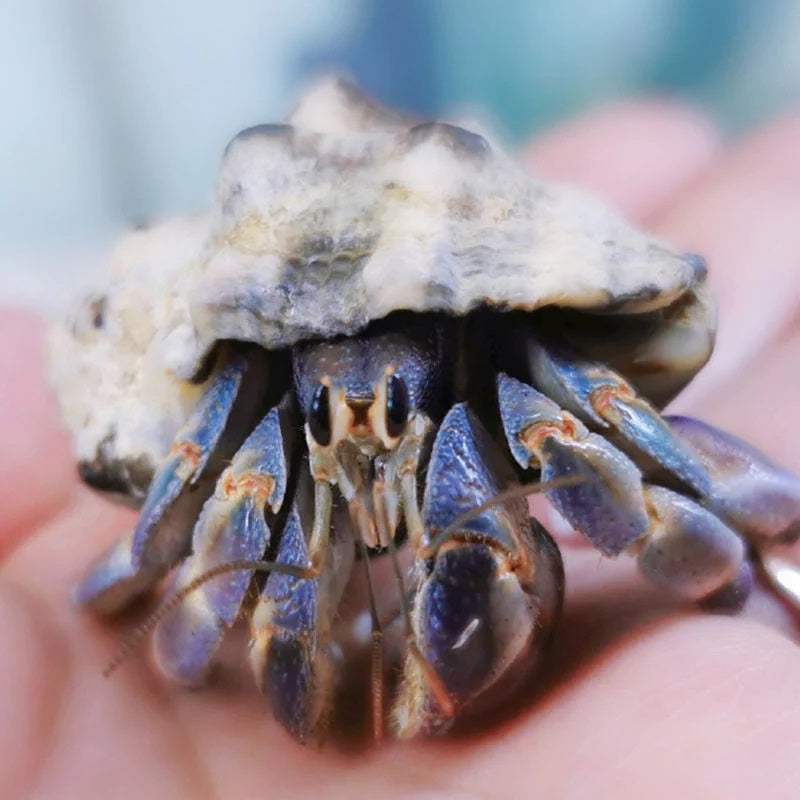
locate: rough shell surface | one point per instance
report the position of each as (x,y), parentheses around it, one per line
(344,214)
(349,212)
(117,397)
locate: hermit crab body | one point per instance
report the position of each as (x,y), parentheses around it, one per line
(380,330)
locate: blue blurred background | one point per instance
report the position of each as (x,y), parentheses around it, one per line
(115,112)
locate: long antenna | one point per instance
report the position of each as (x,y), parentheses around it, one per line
(131,642)
(360,520)
(523,490)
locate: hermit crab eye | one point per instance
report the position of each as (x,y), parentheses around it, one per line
(319,416)
(396,405)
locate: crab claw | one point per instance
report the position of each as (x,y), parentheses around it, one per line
(601,397)
(163,531)
(231,527)
(605,503)
(489,591)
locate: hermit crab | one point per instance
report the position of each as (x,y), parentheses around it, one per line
(380,335)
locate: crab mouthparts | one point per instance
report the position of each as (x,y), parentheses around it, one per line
(360,425)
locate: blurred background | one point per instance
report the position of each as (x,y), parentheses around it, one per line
(116,112)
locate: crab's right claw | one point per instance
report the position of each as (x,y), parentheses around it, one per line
(489,591)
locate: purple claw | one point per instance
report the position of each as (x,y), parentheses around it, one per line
(488,594)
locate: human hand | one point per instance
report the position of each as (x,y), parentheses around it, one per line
(641,696)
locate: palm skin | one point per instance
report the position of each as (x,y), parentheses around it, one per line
(641,696)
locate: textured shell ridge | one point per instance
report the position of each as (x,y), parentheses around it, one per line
(342,215)
(349,212)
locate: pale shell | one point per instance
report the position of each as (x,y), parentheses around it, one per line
(348,212)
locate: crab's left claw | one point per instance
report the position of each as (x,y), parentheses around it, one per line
(489,587)
(601,397)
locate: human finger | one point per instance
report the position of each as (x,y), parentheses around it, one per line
(37,474)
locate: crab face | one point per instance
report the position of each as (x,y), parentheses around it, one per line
(367,403)
(381,332)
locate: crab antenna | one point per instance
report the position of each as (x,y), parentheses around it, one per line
(131,642)
(376,663)
(524,490)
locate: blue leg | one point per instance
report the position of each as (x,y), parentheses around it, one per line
(680,544)
(231,527)
(607,505)
(489,590)
(602,398)
(291,653)
(162,535)
(756,497)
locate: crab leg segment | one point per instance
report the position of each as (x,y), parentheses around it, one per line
(680,544)
(231,527)
(155,539)
(606,503)
(291,652)
(163,531)
(601,397)
(488,590)
(692,553)
(756,497)
(113,581)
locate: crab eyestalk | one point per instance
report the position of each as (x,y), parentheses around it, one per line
(487,595)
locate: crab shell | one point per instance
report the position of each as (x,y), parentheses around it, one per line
(343,215)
